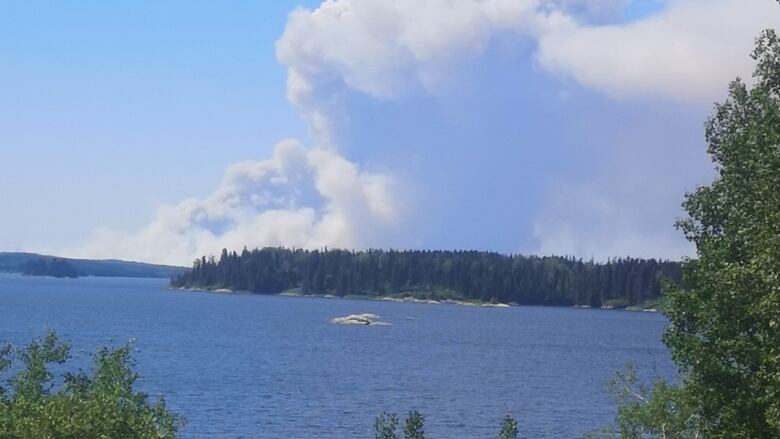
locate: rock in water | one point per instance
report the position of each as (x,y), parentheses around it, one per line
(358,319)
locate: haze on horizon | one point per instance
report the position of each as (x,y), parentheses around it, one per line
(162,132)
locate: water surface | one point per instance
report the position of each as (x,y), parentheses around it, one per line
(251,366)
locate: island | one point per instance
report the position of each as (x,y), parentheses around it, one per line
(35,264)
(436,276)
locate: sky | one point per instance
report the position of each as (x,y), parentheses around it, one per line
(162,131)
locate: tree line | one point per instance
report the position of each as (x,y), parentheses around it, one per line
(54,267)
(468,275)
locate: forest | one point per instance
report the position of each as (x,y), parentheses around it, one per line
(428,274)
(54,267)
(16,262)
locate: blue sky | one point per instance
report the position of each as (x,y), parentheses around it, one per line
(109,111)
(121,125)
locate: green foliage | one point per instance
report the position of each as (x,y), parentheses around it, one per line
(724,330)
(725,326)
(414,428)
(385,426)
(32,382)
(438,275)
(102,405)
(657,411)
(5,363)
(508,428)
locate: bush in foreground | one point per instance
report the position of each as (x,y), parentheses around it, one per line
(414,428)
(508,428)
(100,405)
(724,325)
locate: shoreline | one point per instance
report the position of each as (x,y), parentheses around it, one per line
(407,299)
(411,299)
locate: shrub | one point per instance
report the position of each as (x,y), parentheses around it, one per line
(101,405)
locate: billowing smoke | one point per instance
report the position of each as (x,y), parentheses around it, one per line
(297,198)
(683,55)
(394,51)
(389,49)
(386,49)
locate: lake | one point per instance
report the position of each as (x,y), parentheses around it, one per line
(252,366)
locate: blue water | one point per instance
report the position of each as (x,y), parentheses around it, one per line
(250,366)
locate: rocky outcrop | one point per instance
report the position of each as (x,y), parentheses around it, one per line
(359,319)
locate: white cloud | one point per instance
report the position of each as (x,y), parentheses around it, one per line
(689,51)
(297,198)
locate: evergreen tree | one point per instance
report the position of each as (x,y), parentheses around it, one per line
(435,275)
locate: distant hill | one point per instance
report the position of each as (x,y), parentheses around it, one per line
(53,267)
(17,263)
